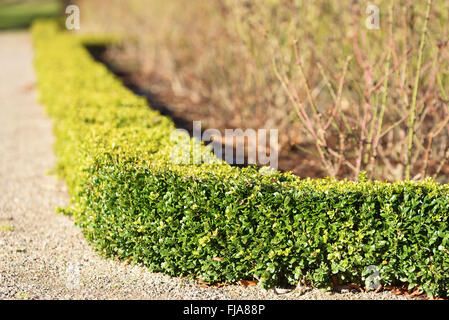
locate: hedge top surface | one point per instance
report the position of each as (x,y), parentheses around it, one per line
(130,112)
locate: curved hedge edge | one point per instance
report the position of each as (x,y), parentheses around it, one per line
(214,221)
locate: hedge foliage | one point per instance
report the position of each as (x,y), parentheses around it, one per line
(218,222)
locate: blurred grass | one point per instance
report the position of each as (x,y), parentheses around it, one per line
(20,14)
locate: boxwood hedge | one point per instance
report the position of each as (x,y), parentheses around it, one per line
(218,222)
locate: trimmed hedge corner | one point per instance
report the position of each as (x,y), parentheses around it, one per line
(218,222)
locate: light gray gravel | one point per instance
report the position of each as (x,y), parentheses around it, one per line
(42,254)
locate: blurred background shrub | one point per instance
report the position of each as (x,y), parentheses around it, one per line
(344,98)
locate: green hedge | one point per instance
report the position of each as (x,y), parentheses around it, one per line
(132,203)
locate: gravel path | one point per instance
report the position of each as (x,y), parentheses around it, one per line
(42,254)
